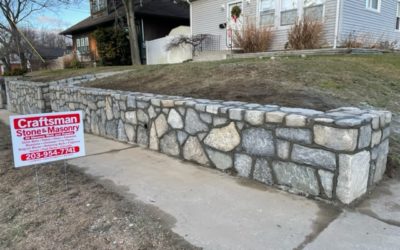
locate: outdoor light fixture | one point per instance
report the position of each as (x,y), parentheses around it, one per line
(223,7)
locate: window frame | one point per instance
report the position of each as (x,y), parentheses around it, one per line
(322,4)
(83,45)
(97,4)
(368,6)
(298,7)
(272,11)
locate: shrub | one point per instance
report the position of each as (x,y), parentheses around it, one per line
(113,46)
(385,45)
(72,62)
(252,38)
(352,41)
(16,72)
(305,34)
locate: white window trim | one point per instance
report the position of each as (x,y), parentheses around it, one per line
(258,19)
(372,9)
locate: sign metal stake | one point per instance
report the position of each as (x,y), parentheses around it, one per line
(65,175)
(37,184)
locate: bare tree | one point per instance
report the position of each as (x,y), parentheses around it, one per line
(129,6)
(16,11)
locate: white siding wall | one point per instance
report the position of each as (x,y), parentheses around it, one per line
(370,26)
(208,14)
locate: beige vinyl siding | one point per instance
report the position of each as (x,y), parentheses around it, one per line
(368,25)
(207,15)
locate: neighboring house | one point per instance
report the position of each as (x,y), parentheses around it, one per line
(368,20)
(34,62)
(154,19)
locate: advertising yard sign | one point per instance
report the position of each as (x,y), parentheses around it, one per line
(47,137)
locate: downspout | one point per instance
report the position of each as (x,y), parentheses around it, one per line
(191,17)
(337,24)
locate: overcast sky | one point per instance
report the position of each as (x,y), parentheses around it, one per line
(59,19)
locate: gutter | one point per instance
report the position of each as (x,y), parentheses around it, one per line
(191,17)
(337,24)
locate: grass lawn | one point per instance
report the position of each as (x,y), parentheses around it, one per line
(50,75)
(314,82)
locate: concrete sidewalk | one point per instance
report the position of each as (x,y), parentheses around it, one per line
(216,211)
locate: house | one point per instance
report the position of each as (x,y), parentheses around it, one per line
(368,21)
(154,19)
(49,54)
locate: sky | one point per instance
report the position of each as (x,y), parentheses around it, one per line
(59,18)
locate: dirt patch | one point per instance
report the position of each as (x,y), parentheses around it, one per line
(86,216)
(321,83)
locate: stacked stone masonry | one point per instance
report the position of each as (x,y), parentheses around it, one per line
(336,155)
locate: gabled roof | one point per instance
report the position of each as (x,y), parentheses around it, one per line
(156,8)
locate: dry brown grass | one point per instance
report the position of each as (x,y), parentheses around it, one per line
(305,34)
(252,38)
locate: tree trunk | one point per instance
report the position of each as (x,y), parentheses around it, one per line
(133,38)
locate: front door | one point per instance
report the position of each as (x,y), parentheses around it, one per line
(234,22)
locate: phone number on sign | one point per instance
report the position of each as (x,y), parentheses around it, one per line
(49,153)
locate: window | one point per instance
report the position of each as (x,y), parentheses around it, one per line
(314,9)
(98,5)
(267,12)
(374,5)
(82,44)
(288,12)
(398,16)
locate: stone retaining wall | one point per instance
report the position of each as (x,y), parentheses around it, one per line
(336,155)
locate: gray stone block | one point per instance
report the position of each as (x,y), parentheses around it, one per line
(326,178)
(283,149)
(218,121)
(130,132)
(254,117)
(365,136)
(153,140)
(169,144)
(175,119)
(298,177)
(243,164)
(221,160)
(207,118)
(353,176)
(262,172)
(193,124)
(161,125)
(336,138)
(193,151)
(142,136)
(295,134)
(295,120)
(258,141)
(121,132)
(236,114)
(376,138)
(182,136)
(275,117)
(314,157)
(381,160)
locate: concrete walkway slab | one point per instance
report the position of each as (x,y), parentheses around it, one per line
(352,231)
(216,211)
(384,203)
(212,210)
